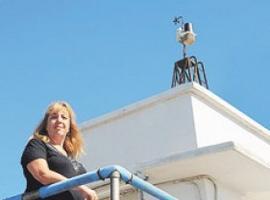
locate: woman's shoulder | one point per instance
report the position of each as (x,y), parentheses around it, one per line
(34,149)
(35,142)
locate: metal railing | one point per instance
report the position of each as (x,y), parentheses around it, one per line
(114,172)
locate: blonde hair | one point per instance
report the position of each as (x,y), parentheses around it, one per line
(73,143)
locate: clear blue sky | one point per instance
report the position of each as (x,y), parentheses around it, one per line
(102,55)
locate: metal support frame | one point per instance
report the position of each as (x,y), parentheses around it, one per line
(115,185)
(187,70)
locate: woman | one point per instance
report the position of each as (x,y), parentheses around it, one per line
(50,154)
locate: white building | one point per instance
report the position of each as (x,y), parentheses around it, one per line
(186,141)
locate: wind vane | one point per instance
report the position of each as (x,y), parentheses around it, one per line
(177,20)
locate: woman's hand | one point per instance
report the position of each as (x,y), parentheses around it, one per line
(87,193)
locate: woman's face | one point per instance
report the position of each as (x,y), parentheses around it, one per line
(58,124)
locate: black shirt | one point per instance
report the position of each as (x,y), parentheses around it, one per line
(57,162)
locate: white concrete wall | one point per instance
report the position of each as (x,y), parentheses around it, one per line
(177,120)
(141,135)
(215,125)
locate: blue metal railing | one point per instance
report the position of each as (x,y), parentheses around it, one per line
(100,174)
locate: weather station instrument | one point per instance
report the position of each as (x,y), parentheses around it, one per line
(188,69)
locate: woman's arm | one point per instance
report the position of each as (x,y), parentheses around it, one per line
(41,172)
